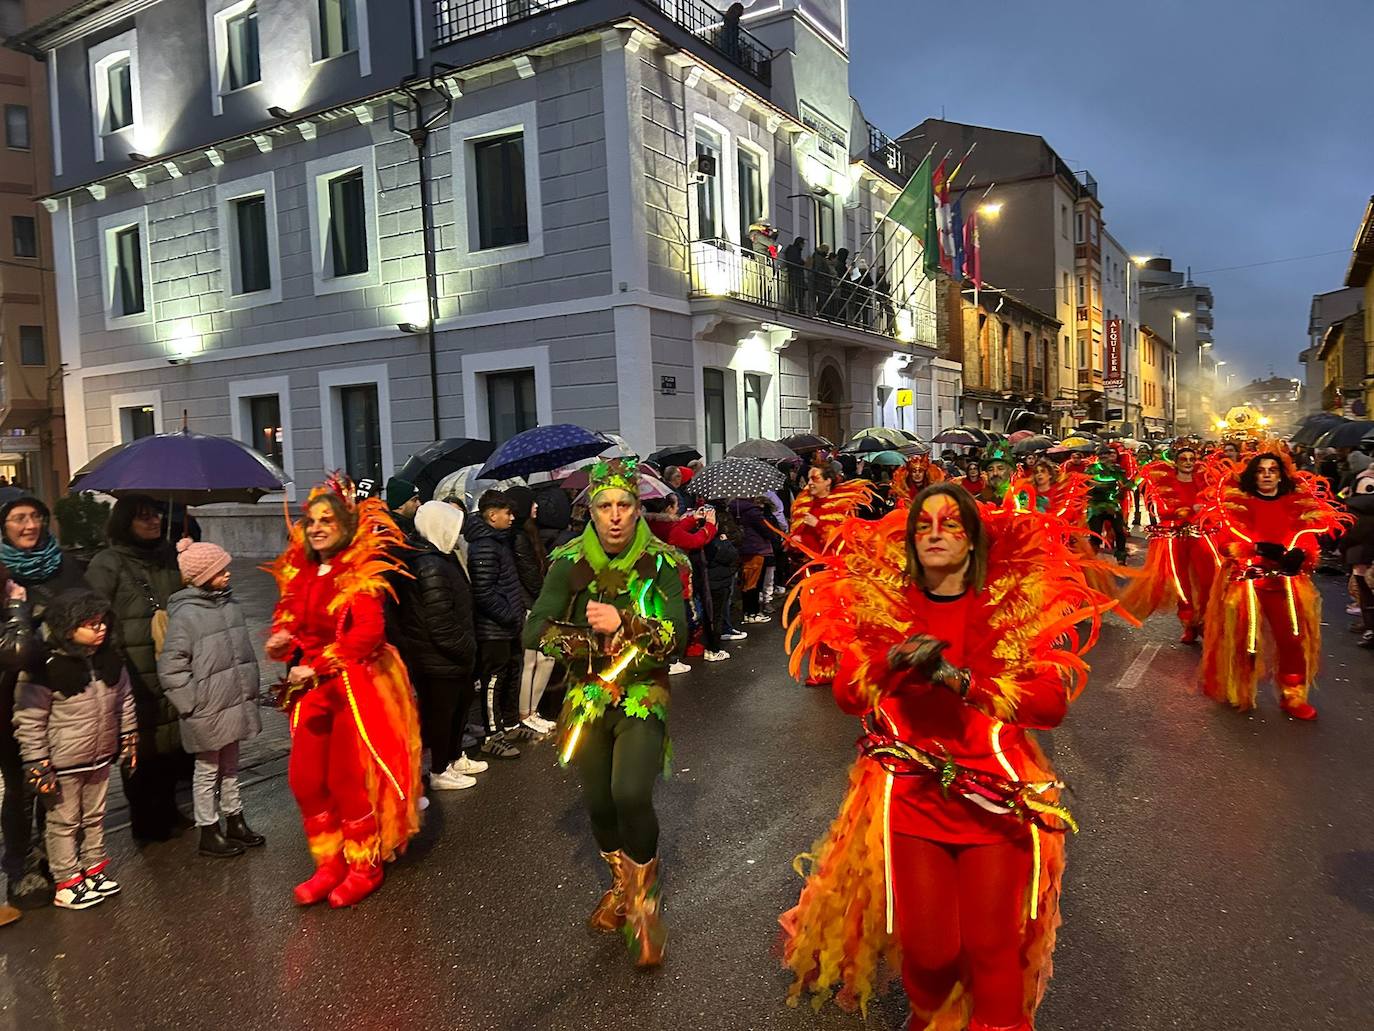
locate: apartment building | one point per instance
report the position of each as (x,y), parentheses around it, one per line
(1156,366)
(1360,276)
(1171,303)
(1326,310)
(1121,347)
(338,234)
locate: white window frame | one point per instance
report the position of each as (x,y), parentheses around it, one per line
(240,420)
(765,177)
(476,367)
(99,59)
(106,227)
(521,118)
(226,194)
(218,15)
(119,403)
(331,417)
(364,48)
(727,204)
(318,173)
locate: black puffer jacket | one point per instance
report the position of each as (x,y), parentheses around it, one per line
(530,565)
(498,608)
(430,622)
(722,562)
(554,515)
(1357,545)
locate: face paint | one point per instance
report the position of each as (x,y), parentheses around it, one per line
(941,538)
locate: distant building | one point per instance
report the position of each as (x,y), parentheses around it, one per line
(1278,398)
(1325,309)
(1121,304)
(1175,307)
(1344,359)
(1360,275)
(1156,384)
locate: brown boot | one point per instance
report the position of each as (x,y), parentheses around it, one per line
(609,914)
(643,929)
(8,914)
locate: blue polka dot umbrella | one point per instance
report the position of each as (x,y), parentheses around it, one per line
(541,449)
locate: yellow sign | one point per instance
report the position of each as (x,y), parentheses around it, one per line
(904,399)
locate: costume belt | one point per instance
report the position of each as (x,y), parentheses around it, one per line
(1260,573)
(1174,530)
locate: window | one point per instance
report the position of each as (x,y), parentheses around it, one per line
(753,405)
(750,192)
(511,406)
(1078,227)
(1065,286)
(1082,293)
(31,349)
(708,187)
(347,225)
(25,236)
(16,127)
(250,237)
(112,68)
(825,222)
(501,213)
(250,259)
(1067,360)
(126,268)
(338,28)
(242,66)
(362,440)
(265,428)
(713,397)
(1064,220)
(128,271)
(139,422)
(119,104)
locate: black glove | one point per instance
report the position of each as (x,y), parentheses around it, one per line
(1269,551)
(921,653)
(1292,561)
(41,776)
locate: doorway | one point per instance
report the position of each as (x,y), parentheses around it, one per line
(829,398)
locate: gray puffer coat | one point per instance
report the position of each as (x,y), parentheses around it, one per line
(208,670)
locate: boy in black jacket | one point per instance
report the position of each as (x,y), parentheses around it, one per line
(498,610)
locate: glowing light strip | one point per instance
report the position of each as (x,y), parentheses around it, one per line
(1035,872)
(1250,604)
(996,736)
(1292,604)
(887,849)
(1173,568)
(571,746)
(626,657)
(362,730)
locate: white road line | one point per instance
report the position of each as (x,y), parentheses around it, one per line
(1136,671)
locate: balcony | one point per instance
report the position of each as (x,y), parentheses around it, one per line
(884,152)
(721,268)
(456,20)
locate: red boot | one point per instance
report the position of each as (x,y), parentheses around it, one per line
(326,845)
(1293,697)
(362,850)
(1189,634)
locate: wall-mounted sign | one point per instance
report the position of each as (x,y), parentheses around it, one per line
(1061,405)
(903,398)
(1112,359)
(667,385)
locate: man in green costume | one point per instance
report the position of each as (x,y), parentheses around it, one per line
(611,611)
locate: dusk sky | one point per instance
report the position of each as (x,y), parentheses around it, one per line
(1222,133)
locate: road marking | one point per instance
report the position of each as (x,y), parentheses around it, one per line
(1135,673)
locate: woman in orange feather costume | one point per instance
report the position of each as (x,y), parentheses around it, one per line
(355,744)
(958,629)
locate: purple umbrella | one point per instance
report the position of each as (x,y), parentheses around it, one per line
(185,467)
(542,449)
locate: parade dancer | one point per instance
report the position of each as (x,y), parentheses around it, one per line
(612,612)
(1182,559)
(1267,516)
(957,630)
(355,739)
(1106,494)
(912,477)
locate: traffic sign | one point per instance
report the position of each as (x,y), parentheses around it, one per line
(903,398)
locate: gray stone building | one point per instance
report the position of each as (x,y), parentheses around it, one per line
(341,229)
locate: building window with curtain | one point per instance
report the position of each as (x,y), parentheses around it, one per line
(242,63)
(119,96)
(750,192)
(128,271)
(512,406)
(502,217)
(250,231)
(708,187)
(362,431)
(713,398)
(265,428)
(347,225)
(25,229)
(753,405)
(338,28)
(16,127)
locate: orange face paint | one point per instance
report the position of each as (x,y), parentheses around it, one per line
(941,512)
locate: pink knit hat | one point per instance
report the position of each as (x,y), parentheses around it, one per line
(201,562)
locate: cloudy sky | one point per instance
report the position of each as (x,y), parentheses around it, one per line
(1222,133)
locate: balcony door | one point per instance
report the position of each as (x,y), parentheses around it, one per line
(829,399)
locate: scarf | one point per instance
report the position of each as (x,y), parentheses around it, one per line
(34,566)
(597,558)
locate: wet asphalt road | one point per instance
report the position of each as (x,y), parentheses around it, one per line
(1223,879)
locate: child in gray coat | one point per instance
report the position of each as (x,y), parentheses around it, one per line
(73,719)
(208,668)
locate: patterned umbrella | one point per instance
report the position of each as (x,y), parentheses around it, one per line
(541,449)
(806,443)
(184,467)
(431,464)
(651,488)
(764,450)
(733,478)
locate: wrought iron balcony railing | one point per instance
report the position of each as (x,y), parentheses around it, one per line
(721,268)
(461,19)
(884,152)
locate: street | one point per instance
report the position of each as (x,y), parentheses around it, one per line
(1223,878)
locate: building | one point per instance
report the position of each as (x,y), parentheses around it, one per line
(1278,399)
(1008,351)
(1360,276)
(33,445)
(1030,249)
(1121,338)
(1171,303)
(1325,309)
(1344,359)
(486,217)
(1156,368)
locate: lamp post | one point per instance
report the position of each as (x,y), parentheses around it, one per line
(1173,362)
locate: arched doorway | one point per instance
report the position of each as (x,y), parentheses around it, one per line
(829,398)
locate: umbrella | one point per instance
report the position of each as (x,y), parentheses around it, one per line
(651,488)
(541,449)
(887,458)
(673,454)
(733,478)
(1031,444)
(870,445)
(764,450)
(1347,434)
(468,487)
(893,436)
(1021,435)
(1080,445)
(961,436)
(807,443)
(1316,425)
(432,463)
(620,447)
(1085,434)
(184,467)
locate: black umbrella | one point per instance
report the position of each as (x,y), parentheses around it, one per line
(1030,445)
(807,443)
(673,454)
(432,463)
(1316,425)
(1347,434)
(962,436)
(868,445)
(733,478)
(764,450)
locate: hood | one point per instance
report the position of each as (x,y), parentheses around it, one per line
(441,524)
(196,596)
(555,509)
(477,528)
(69,609)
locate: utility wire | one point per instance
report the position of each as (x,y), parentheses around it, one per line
(1274,261)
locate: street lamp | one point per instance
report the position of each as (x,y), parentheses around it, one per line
(990,210)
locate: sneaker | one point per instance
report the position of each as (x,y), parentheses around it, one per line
(463,766)
(498,748)
(733,635)
(1366,640)
(758,618)
(99,882)
(678,667)
(544,726)
(1353,609)
(74,894)
(447,781)
(520,733)
(719,656)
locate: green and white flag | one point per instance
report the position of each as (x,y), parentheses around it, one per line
(914,210)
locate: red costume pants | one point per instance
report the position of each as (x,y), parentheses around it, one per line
(1273,607)
(961,913)
(324,771)
(1196,568)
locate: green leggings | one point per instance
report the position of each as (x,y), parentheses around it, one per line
(619,758)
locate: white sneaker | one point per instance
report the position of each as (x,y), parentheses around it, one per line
(100,883)
(734,635)
(465,767)
(547,726)
(447,781)
(75,895)
(1352,609)
(760,618)
(719,656)
(678,667)
(537,727)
